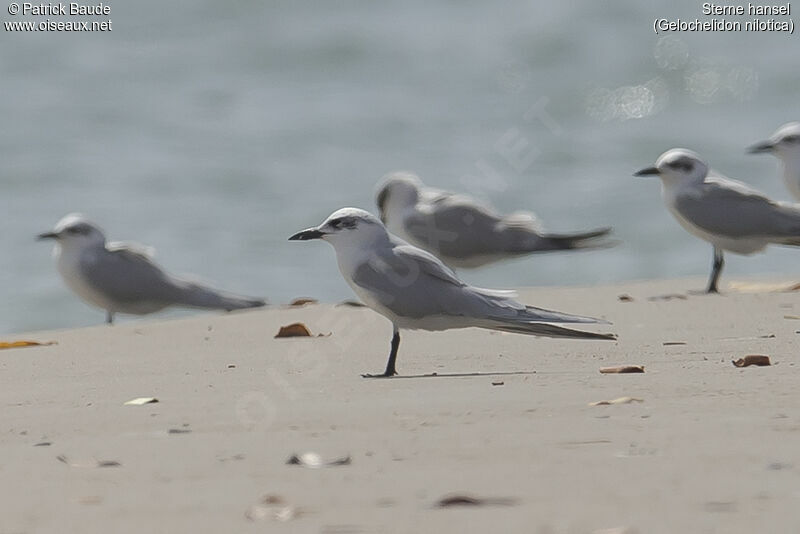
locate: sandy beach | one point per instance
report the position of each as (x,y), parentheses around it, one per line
(705,447)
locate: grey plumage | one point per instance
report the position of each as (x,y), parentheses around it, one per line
(464,233)
(415,290)
(728,214)
(730,208)
(123,278)
(435,291)
(137,285)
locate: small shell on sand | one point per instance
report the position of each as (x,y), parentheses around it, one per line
(752,359)
(139,401)
(622,369)
(302,301)
(315,461)
(18,344)
(620,400)
(294,330)
(352,304)
(469,500)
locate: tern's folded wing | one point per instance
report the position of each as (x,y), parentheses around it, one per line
(412,283)
(454,230)
(458,228)
(128,276)
(724,208)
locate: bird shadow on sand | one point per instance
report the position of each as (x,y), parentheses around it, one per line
(457,375)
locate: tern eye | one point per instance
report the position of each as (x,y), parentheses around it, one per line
(792,139)
(343,223)
(681,165)
(78,230)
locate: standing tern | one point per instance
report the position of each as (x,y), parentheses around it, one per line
(728,214)
(462,232)
(415,290)
(123,278)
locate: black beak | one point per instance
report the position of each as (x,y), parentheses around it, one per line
(649,171)
(47,235)
(760,148)
(305,235)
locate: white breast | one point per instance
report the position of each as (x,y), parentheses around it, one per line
(68,264)
(791,177)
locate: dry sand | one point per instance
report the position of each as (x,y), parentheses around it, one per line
(712,448)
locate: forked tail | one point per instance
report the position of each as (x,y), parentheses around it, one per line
(549,330)
(199,296)
(583,240)
(538,322)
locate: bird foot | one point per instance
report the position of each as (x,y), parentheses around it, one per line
(701,292)
(382,375)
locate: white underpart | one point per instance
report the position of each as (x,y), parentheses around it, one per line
(68,264)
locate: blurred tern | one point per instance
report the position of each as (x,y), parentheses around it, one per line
(785,145)
(728,214)
(119,277)
(464,233)
(414,290)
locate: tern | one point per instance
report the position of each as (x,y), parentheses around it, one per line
(123,278)
(464,233)
(730,215)
(415,290)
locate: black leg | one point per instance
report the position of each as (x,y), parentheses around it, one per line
(109,317)
(716,271)
(390,365)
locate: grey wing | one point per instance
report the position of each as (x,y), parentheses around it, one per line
(126,276)
(457,228)
(728,210)
(412,283)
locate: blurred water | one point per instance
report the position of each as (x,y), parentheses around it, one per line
(212,131)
